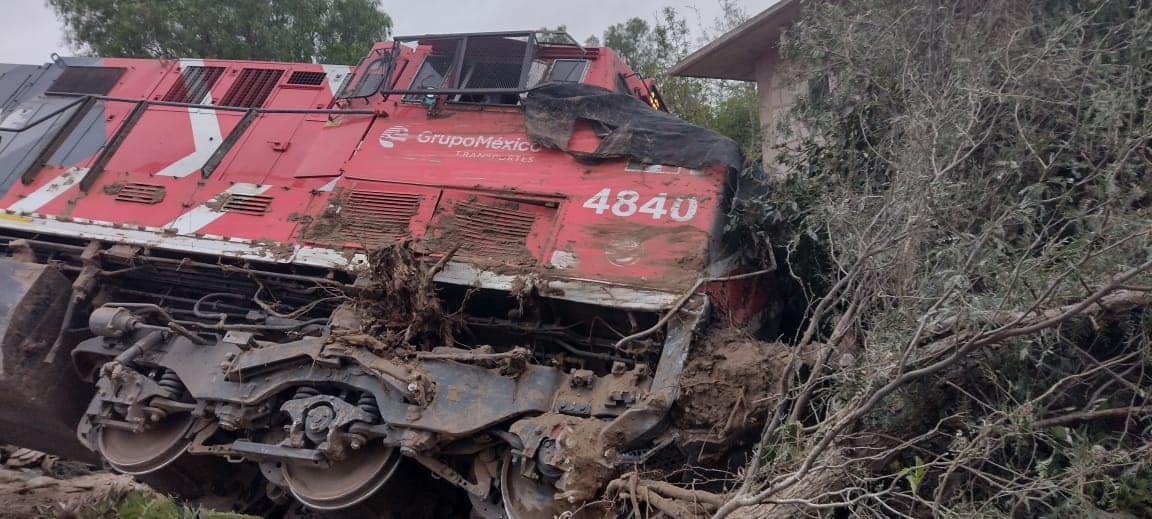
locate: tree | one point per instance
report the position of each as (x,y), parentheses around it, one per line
(326,31)
(965,232)
(633,40)
(970,224)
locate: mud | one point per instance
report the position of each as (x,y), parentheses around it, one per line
(726,385)
(326,227)
(33,484)
(579,452)
(398,306)
(280,251)
(451,229)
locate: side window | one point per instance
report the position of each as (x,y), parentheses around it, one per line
(492,63)
(568,70)
(374,76)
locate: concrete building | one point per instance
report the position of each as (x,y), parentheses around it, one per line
(751,52)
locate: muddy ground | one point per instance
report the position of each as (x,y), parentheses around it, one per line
(35,485)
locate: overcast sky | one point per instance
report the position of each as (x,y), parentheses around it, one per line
(30,32)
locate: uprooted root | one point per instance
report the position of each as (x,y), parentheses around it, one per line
(648,498)
(398,306)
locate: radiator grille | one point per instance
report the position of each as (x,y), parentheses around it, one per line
(252,88)
(374,217)
(139,193)
(367,218)
(246,204)
(301,77)
(487,230)
(193,85)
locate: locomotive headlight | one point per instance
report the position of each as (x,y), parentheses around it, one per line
(624,251)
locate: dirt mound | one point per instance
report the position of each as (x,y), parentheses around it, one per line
(725,389)
(33,484)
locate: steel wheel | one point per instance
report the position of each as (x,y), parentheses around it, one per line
(147,451)
(527,498)
(345,483)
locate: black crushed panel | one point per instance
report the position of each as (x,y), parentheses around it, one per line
(86,80)
(193,84)
(252,88)
(634,129)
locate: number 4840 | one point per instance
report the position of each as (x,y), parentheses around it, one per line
(627,203)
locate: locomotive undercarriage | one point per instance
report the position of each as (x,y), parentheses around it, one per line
(314,384)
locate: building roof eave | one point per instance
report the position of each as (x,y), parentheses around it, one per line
(734,54)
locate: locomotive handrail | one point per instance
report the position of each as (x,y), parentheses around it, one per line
(49,115)
(141,105)
(80,98)
(152,102)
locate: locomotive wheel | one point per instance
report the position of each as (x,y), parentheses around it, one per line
(527,498)
(147,451)
(345,483)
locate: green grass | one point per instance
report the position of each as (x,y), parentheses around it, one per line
(136,504)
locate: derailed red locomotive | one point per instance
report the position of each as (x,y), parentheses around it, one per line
(481,256)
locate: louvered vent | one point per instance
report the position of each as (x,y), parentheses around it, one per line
(193,85)
(139,193)
(247,204)
(252,88)
(374,217)
(301,77)
(487,230)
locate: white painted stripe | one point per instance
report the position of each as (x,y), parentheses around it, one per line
(202,215)
(330,185)
(48,192)
(206,136)
(336,75)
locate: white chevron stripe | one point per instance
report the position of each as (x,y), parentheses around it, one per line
(199,217)
(48,192)
(205,134)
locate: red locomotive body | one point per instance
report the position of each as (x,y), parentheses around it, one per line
(221,222)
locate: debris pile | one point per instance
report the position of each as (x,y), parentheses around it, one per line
(726,390)
(396,306)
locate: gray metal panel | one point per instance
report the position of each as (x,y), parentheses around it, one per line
(16,81)
(22,100)
(18,150)
(84,140)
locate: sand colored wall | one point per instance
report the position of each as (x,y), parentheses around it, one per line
(778,91)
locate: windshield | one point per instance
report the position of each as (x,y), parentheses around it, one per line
(490,68)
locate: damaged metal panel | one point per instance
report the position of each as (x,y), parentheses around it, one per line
(630,128)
